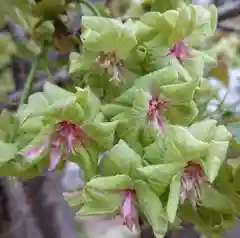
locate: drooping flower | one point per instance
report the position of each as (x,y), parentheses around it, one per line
(60,143)
(129,212)
(192,178)
(110,63)
(156,108)
(180,51)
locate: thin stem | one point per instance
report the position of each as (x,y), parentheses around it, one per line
(28,87)
(232,120)
(90,6)
(27,90)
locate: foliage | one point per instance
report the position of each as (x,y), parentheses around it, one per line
(134,121)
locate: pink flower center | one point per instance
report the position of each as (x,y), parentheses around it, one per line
(192,178)
(67,127)
(156,109)
(180,51)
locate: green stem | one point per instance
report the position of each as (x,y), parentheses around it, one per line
(90,6)
(27,91)
(28,87)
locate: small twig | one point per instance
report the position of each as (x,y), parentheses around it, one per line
(27,89)
(232,120)
(90,6)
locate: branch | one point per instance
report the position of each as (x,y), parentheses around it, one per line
(58,78)
(232,120)
(228,11)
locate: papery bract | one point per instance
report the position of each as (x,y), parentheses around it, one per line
(192,178)
(60,143)
(129,212)
(156,109)
(110,63)
(180,51)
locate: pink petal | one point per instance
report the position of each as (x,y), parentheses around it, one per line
(127,205)
(161,124)
(71,194)
(35,152)
(54,158)
(69,145)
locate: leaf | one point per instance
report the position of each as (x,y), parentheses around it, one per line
(107,35)
(173,198)
(121,159)
(148,83)
(152,208)
(101,132)
(54,93)
(37,103)
(184,24)
(8,152)
(155,152)
(219,203)
(160,176)
(75,201)
(182,146)
(48,9)
(152,23)
(88,101)
(115,183)
(216,156)
(203,130)
(111,110)
(87,159)
(65,109)
(222,134)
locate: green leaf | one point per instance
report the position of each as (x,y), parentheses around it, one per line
(121,159)
(49,9)
(89,102)
(216,156)
(219,203)
(75,201)
(222,134)
(160,176)
(87,159)
(203,130)
(205,24)
(65,109)
(101,132)
(148,83)
(181,92)
(111,110)
(8,152)
(184,25)
(182,146)
(155,152)
(152,208)
(54,93)
(173,198)
(107,35)
(152,23)
(102,204)
(115,183)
